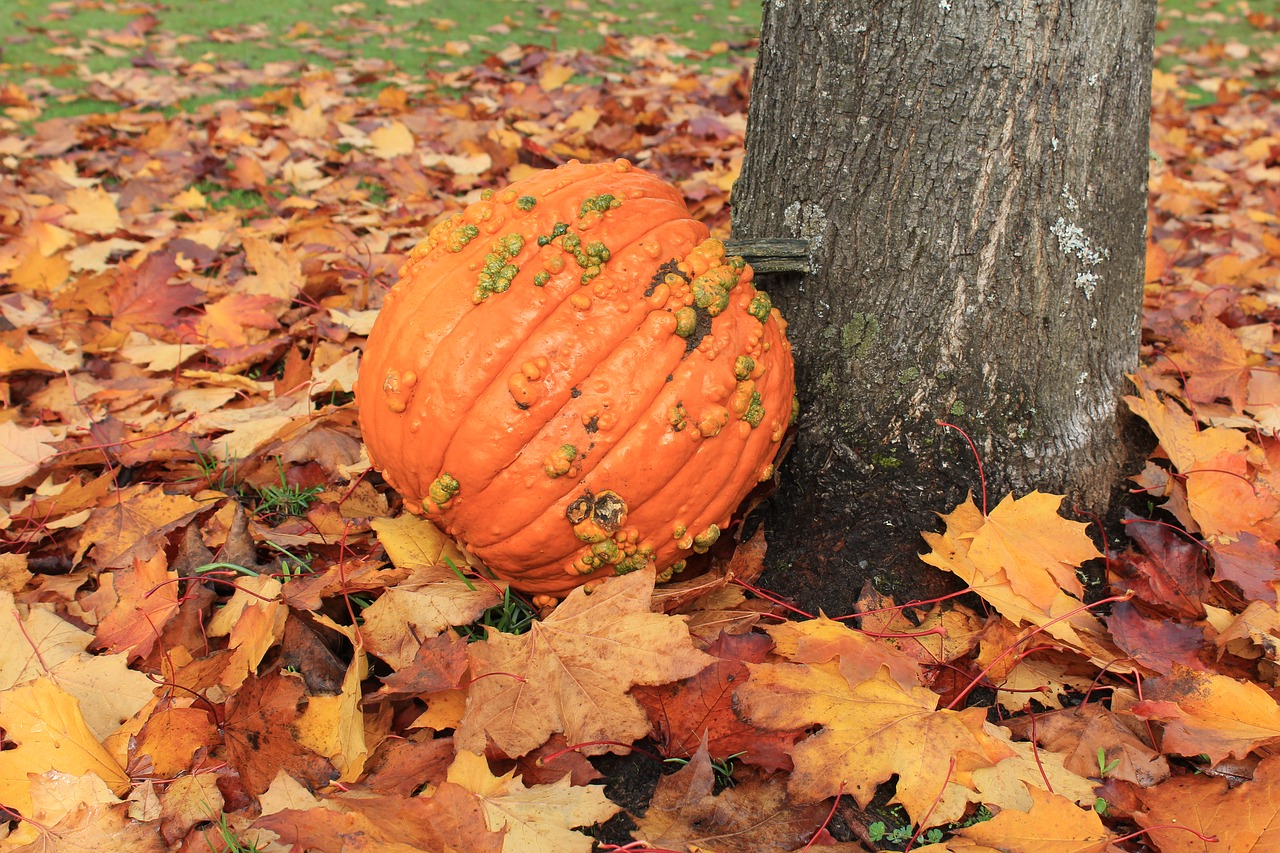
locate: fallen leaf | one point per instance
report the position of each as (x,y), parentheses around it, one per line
(49,730)
(1241,818)
(261,734)
(1209,714)
(870,732)
(1053,824)
(23,451)
(751,816)
(537,818)
(570,673)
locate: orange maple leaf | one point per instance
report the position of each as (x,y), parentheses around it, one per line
(1210,714)
(1244,817)
(1064,617)
(1216,362)
(1054,824)
(147,601)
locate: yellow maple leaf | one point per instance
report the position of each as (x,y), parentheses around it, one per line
(572,671)
(1064,618)
(871,731)
(413,542)
(31,645)
(1053,824)
(536,818)
(334,725)
(50,732)
(1038,549)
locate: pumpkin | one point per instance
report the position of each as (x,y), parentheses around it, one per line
(573,381)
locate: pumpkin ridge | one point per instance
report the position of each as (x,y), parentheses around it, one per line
(522,500)
(468,358)
(420,280)
(665,453)
(555,332)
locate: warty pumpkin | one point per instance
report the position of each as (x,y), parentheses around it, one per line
(573,380)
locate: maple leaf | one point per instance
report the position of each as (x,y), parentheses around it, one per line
(1250,562)
(1217,363)
(413,542)
(253,621)
(146,295)
(454,823)
(401,766)
(751,816)
(1038,549)
(334,726)
(860,656)
(146,600)
(1209,714)
(23,451)
(261,734)
(537,818)
(134,525)
(226,323)
(90,828)
(32,645)
(50,732)
(1053,824)
(1008,783)
(419,607)
(1155,643)
(1078,733)
(871,731)
(699,710)
(1242,817)
(1181,438)
(171,736)
(570,673)
(1170,577)
(440,664)
(1065,618)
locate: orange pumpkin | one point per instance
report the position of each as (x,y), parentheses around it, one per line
(573,381)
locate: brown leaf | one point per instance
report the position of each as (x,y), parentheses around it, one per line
(753,815)
(699,710)
(134,525)
(570,673)
(439,665)
(260,736)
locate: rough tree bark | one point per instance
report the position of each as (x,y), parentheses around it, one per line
(972,174)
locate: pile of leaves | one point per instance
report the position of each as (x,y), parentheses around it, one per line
(219,631)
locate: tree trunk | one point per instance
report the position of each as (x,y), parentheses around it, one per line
(972,175)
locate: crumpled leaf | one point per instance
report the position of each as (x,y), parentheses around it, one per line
(751,816)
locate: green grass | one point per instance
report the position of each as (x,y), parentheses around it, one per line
(65,43)
(52,39)
(1194,23)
